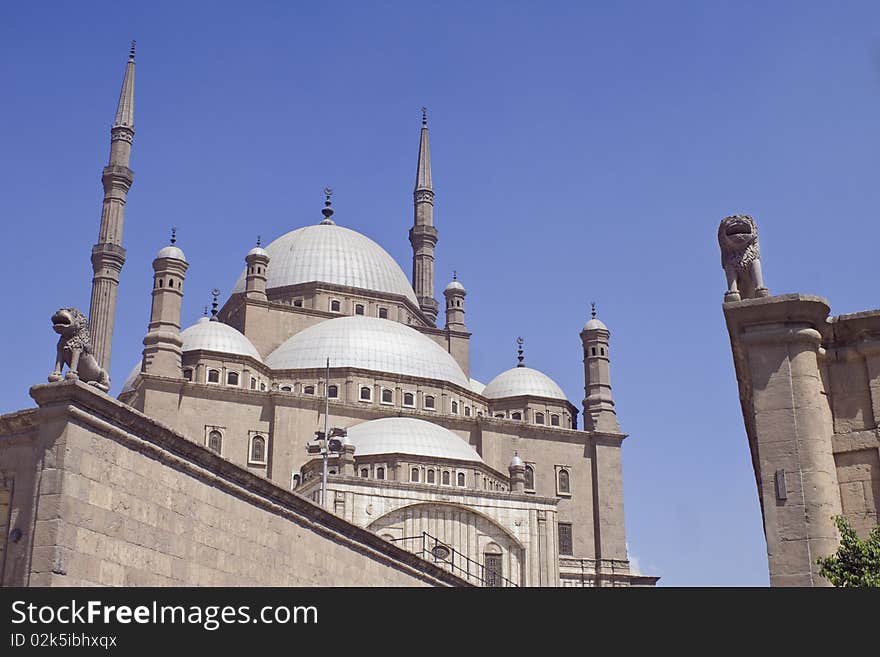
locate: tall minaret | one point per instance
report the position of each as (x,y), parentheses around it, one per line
(423,235)
(599,414)
(108,255)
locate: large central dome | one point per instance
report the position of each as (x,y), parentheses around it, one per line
(368,343)
(328,253)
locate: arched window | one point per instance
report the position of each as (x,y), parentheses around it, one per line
(467,411)
(359,309)
(262,385)
(409,399)
(380,473)
(286,389)
(455,407)
(431,476)
(258,449)
(366,393)
(530,478)
(414,474)
(365,472)
(554,420)
(387,396)
(294,481)
(516,416)
(446,477)
(253,383)
(564,481)
(213,376)
(232,378)
(429,401)
(593,350)
(215,441)
(383,313)
(499,415)
(539,418)
(188,374)
(308,390)
(461,478)
(492,570)
(335,305)
(333,391)
(161,283)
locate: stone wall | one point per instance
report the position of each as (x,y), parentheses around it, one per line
(104,495)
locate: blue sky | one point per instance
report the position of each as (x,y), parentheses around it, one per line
(581,151)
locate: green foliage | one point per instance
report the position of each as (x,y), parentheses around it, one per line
(856,562)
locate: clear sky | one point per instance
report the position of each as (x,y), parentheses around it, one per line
(581,151)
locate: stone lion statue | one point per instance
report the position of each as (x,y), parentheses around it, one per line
(75,350)
(741,258)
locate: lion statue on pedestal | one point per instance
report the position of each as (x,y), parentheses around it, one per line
(75,350)
(741,258)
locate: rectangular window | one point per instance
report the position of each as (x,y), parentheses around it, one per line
(297,303)
(565,545)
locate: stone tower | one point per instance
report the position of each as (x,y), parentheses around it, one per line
(423,235)
(108,256)
(162,344)
(599,414)
(255,281)
(455,294)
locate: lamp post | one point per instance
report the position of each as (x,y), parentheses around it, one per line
(326,441)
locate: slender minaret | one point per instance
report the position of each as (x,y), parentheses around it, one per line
(108,255)
(599,414)
(423,235)
(163,344)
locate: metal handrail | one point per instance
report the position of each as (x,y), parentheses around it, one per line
(433,549)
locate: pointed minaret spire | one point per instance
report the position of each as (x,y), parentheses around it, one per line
(423,235)
(108,256)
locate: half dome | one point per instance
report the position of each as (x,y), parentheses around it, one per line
(519,381)
(219,337)
(328,253)
(367,343)
(404,435)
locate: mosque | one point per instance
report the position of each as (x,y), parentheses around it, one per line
(326,385)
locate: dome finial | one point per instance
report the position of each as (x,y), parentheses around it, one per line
(327,211)
(593,309)
(424,116)
(173,234)
(519,352)
(206,311)
(259,240)
(216,293)
(454,275)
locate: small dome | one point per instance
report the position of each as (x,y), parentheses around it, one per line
(455,285)
(171,251)
(257,250)
(476,386)
(367,343)
(131,379)
(404,435)
(595,324)
(217,336)
(519,381)
(327,253)
(516,461)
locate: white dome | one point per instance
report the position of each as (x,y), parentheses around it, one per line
(170,251)
(522,381)
(217,336)
(128,386)
(257,250)
(404,435)
(332,254)
(367,343)
(455,285)
(476,386)
(594,324)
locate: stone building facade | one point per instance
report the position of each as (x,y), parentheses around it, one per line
(215,448)
(809,386)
